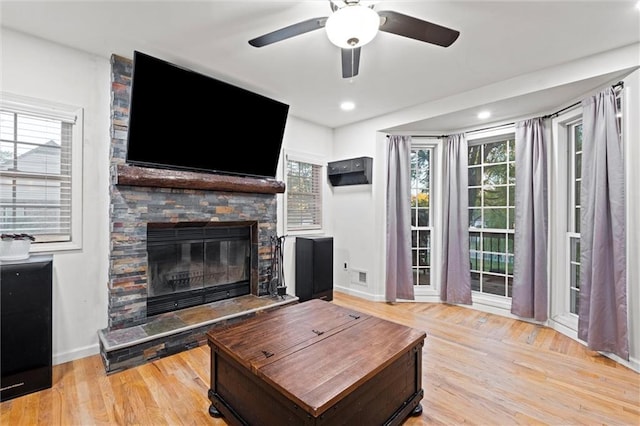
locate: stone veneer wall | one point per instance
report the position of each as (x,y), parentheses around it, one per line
(132,207)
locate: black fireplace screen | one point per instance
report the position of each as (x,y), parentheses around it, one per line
(192,265)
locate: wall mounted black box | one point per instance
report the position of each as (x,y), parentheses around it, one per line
(354,171)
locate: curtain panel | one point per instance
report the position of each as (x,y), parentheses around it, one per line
(399,280)
(455,281)
(530,293)
(602,318)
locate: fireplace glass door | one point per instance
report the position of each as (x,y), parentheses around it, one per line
(192,265)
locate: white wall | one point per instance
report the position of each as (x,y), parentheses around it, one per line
(35,68)
(354,215)
(365,246)
(303,141)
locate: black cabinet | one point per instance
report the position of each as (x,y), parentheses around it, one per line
(25,326)
(314,268)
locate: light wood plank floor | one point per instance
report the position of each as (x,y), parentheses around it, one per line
(478,369)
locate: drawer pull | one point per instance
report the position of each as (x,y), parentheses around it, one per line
(354,316)
(267,354)
(318,332)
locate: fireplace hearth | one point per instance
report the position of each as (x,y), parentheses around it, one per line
(194,263)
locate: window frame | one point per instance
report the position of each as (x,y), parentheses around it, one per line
(431,292)
(496,134)
(562,217)
(415,249)
(314,161)
(57,111)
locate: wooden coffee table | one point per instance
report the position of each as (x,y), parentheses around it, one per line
(315,363)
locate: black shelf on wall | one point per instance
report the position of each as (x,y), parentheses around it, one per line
(354,171)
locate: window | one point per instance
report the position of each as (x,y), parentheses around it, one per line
(36,171)
(491,175)
(421,218)
(574,139)
(304,195)
(573,226)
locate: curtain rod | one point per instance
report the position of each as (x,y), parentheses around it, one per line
(619,84)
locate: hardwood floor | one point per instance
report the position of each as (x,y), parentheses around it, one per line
(478,369)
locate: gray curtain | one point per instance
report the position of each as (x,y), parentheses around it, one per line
(399,281)
(455,283)
(529,297)
(602,318)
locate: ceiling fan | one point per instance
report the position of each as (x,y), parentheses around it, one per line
(353,25)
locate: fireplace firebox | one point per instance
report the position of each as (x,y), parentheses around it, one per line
(195,263)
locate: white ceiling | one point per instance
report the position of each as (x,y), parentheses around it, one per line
(499,40)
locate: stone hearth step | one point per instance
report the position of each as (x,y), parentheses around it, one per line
(173,332)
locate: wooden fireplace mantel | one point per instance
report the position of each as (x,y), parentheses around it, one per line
(163,178)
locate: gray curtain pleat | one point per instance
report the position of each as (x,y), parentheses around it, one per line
(455,282)
(602,319)
(399,281)
(530,294)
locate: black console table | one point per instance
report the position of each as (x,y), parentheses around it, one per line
(25,326)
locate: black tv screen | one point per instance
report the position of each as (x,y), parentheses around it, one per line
(181,119)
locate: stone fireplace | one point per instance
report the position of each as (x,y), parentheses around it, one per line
(146,201)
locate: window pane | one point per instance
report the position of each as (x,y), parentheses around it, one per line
(496,196)
(494,284)
(474,241)
(512,218)
(495,175)
(495,218)
(510,242)
(475,218)
(475,155)
(475,176)
(495,152)
(496,263)
(423,217)
(575,249)
(475,263)
(475,197)
(424,276)
(423,257)
(425,240)
(475,281)
(493,242)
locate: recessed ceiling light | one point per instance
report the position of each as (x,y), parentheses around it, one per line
(484,114)
(347,106)
(638,5)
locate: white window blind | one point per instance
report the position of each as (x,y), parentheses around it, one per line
(304,196)
(35,171)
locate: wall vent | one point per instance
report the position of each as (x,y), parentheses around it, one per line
(359,277)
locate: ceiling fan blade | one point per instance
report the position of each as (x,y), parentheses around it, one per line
(288,32)
(350,62)
(408,26)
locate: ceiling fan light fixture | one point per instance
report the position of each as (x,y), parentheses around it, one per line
(352,26)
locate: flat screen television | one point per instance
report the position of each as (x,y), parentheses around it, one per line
(184,120)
